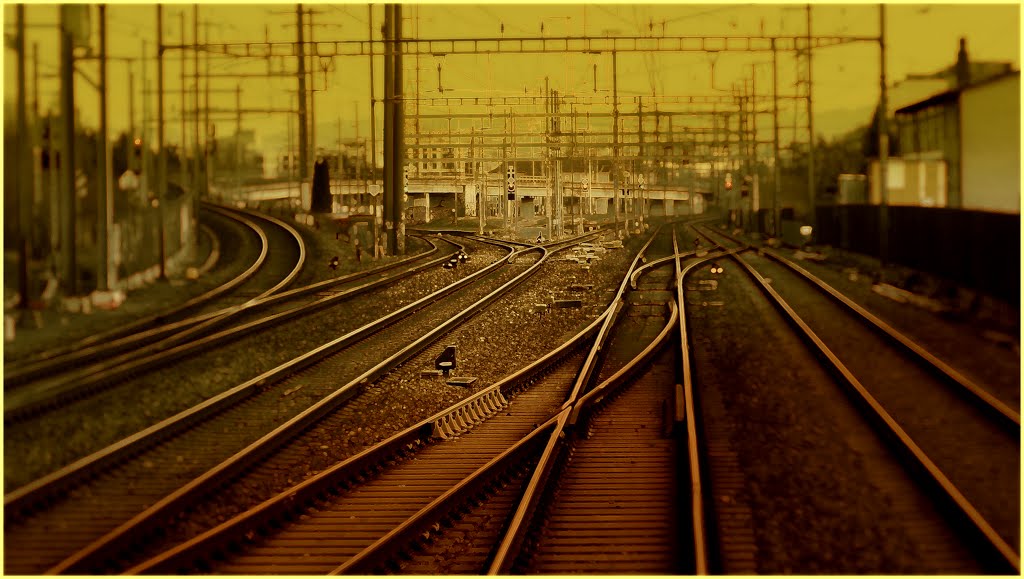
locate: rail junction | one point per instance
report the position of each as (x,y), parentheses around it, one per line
(594,326)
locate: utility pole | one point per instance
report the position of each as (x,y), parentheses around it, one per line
(811,192)
(303,122)
(311,108)
(131,117)
(883,145)
(68,240)
(373,141)
(399,136)
(207,126)
(416,31)
(557,166)
(198,167)
(547,167)
(183,165)
(615,141)
(144,172)
(713,153)
(104,186)
(355,115)
(161,164)
(574,172)
(238,137)
(515,155)
(35,80)
(476,186)
(389,129)
(37,152)
(637,191)
(291,158)
(776,172)
(23,192)
(755,187)
(502,192)
(515,197)
(355,175)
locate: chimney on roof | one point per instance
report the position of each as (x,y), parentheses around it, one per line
(963,68)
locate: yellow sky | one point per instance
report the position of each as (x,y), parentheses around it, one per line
(922,38)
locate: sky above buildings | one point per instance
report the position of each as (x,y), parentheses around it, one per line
(921,38)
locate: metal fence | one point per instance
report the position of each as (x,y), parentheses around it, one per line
(977,249)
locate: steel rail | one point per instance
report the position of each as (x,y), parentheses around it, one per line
(20,371)
(1005,557)
(64,363)
(583,380)
(602,391)
(374,555)
(299,264)
(649,266)
(377,554)
(440,426)
(25,498)
(383,549)
(178,345)
(214,257)
(509,546)
(147,521)
(1008,417)
(689,418)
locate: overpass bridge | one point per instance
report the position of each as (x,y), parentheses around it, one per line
(441,194)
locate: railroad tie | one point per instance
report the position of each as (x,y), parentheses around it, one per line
(469,414)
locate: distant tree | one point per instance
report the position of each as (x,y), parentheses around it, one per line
(321,195)
(870,140)
(119,154)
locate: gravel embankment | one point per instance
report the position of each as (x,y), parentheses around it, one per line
(40,446)
(59,327)
(989,357)
(321,246)
(978,336)
(823,493)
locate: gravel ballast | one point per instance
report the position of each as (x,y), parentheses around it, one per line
(404,396)
(825,494)
(55,439)
(986,351)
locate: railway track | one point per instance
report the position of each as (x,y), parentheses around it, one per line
(260,278)
(960,444)
(417,473)
(208,367)
(48,374)
(99,367)
(616,499)
(177,437)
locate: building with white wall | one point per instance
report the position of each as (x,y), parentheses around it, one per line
(959,147)
(990,145)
